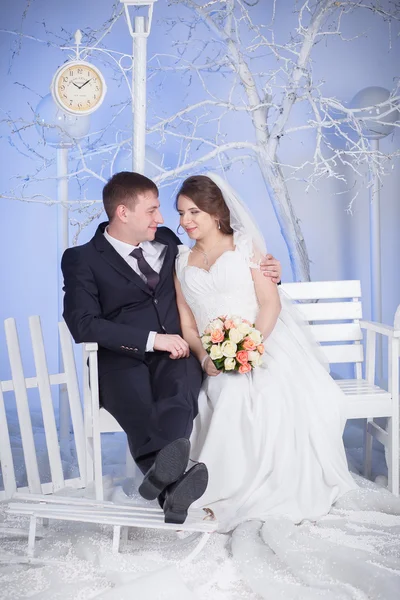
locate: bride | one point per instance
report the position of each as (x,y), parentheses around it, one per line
(272,438)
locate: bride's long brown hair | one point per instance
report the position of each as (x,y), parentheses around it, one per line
(207,197)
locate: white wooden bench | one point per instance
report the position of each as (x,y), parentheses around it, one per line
(334,310)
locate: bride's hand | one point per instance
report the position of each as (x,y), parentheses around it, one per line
(210,368)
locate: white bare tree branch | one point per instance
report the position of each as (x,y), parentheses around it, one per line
(233,76)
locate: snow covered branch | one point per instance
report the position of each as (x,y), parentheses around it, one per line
(227,91)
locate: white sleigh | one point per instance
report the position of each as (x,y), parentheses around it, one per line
(336,323)
(38,500)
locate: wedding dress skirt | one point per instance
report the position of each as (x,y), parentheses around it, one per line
(271,439)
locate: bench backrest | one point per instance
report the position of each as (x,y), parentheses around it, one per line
(333,309)
(18,386)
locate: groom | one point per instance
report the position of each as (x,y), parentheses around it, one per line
(119,292)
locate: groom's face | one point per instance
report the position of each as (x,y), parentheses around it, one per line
(145,217)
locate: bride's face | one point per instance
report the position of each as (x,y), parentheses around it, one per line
(197,223)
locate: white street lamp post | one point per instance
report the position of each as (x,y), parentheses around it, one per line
(62,245)
(376,102)
(60,131)
(139,28)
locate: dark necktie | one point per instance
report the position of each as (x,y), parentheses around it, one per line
(152,277)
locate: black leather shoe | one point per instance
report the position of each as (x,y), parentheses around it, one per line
(169,465)
(181,494)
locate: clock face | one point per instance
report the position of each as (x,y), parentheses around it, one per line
(78,88)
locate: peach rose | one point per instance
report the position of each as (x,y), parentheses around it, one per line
(217,336)
(245,368)
(242,357)
(229,324)
(260,348)
(248,344)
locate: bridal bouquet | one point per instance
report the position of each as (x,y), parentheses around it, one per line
(233,344)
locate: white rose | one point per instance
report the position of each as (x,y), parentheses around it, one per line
(216,324)
(216,352)
(229,364)
(244,328)
(206,341)
(257,360)
(253,355)
(229,349)
(235,336)
(256,336)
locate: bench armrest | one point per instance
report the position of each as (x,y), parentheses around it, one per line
(387,330)
(91,347)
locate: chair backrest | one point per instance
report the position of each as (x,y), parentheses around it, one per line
(18,385)
(397,318)
(333,309)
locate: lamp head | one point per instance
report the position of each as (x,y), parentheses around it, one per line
(380,114)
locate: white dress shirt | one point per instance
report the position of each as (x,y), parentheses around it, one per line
(153,252)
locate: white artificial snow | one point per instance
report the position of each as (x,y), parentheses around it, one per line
(352,553)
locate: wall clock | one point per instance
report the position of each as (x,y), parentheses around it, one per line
(78,87)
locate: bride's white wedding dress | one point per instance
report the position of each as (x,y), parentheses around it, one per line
(272,442)
(271,439)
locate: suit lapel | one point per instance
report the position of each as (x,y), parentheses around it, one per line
(110,255)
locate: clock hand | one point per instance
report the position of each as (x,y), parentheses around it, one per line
(75,85)
(85,83)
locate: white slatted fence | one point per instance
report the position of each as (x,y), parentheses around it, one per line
(18,386)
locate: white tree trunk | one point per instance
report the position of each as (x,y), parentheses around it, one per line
(288,222)
(273,177)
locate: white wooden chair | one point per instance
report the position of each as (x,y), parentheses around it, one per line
(334,311)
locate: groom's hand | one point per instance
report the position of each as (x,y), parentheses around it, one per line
(174,344)
(271,267)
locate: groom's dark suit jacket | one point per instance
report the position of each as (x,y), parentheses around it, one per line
(108,303)
(153,397)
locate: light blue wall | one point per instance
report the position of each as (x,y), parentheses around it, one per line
(338,242)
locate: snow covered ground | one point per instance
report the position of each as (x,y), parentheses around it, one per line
(352,553)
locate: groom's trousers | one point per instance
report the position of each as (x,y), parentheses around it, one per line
(155,402)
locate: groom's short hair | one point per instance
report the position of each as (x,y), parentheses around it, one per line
(124,188)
